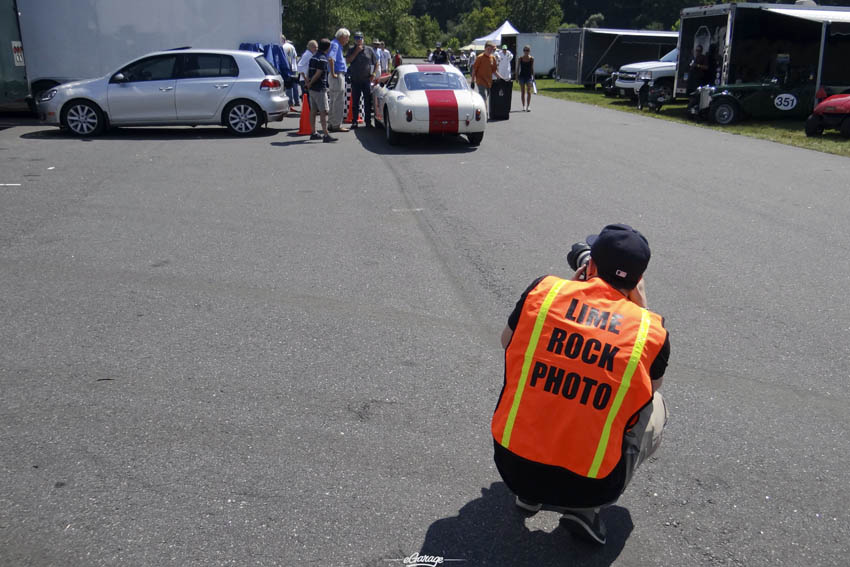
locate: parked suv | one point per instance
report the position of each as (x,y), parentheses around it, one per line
(631,77)
(186,87)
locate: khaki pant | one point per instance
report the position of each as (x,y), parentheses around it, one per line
(642,440)
(336,96)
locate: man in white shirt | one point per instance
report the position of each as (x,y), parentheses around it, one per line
(292,59)
(385,59)
(304,62)
(505,57)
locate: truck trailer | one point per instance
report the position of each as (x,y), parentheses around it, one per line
(13,78)
(67,40)
(544,47)
(750,43)
(587,55)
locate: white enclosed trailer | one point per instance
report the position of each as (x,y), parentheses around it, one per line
(544,47)
(66,40)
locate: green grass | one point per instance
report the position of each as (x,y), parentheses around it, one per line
(788,132)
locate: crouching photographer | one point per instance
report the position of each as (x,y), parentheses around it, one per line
(579,410)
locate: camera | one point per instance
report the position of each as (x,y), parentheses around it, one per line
(578,255)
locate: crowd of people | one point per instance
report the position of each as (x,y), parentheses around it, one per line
(321,71)
(320,74)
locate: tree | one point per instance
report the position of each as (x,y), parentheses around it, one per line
(535,15)
(594,21)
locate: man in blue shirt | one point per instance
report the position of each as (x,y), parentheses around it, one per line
(336,80)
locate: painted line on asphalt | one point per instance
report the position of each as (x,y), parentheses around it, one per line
(10,184)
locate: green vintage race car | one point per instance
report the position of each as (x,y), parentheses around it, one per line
(726,104)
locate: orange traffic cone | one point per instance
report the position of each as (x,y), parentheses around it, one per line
(350,118)
(305,128)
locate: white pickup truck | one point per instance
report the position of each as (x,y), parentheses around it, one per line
(630,78)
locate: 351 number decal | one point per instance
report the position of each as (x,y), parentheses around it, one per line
(785,101)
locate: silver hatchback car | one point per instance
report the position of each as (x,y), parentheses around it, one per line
(187,87)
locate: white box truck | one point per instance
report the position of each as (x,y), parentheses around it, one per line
(66,40)
(544,47)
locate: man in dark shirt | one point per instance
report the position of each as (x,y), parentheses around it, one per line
(698,70)
(362,64)
(317,83)
(440,57)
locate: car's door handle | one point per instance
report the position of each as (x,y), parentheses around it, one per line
(166,89)
(221,86)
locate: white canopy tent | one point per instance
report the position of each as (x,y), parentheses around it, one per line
(495,36)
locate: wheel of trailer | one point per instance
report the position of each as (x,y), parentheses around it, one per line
(242,117)
(82,118)
(391,135)
(814,126)
(724,112)
(475,138)
(845,127)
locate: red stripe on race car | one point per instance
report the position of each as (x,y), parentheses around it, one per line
(442,112)
(430,68)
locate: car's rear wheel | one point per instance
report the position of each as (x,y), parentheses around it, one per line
(242,117)
(475,138)
(845,127)
(724,112)
(814,126)
(391,135)
(82,118)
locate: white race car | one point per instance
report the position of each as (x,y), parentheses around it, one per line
(429,99)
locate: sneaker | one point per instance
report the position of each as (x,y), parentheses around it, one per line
(315,136)
(528,505)
(586,525)
(327,139)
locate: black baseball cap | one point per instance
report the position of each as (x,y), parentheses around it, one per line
(621,254)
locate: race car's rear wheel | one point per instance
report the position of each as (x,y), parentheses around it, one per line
(475,138)
(392,135)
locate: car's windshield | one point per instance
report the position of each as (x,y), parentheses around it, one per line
(434,80)
(671,57)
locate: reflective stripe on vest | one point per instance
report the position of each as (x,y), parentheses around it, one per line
(634,359)
(529,356)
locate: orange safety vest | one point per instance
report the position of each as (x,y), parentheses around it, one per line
(576,372)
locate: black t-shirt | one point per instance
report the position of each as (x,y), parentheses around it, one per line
(440,57)
(362,66)
(319,62)
(558,486)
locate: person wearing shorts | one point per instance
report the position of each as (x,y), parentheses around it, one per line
(317,83)
(525,76)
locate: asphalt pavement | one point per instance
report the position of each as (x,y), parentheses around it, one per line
(271,351)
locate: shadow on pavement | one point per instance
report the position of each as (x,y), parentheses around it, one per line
(148,133)
(373,140)
(491,531)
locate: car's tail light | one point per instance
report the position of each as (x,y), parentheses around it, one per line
(409,115)
(478,114)
(270,85)
(821,94)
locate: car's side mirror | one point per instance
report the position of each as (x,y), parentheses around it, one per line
(119,78)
